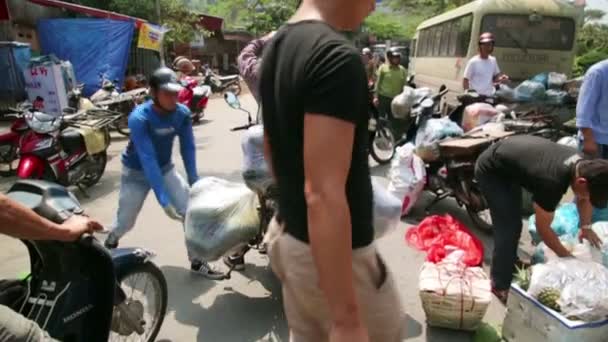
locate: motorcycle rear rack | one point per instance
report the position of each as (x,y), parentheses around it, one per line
(38,304)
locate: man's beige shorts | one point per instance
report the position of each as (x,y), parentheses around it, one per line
(305,305)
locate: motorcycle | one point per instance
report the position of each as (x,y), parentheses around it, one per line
(220,84)
(267,192)
(10,141)
(195,97)
(80,291)
(381,138)
(52,150)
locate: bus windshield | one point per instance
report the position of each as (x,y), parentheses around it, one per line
(520,31)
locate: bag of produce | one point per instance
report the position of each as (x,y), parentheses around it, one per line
(387,209)
(402,104)
(255,170)
(221,217)
(431,132)
(407,177)
(476,115)
(556,80)
(530,91)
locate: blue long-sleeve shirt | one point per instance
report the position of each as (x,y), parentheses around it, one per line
(592,107)
(151,145)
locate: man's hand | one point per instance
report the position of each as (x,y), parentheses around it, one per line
(589,235)
(349,334)
(590,148)
(77,225)
(503,78)
(173,214)
(376,101)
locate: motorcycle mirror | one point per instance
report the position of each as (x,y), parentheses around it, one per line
(232,100)
(442,88)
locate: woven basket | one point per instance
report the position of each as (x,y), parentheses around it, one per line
(454,296)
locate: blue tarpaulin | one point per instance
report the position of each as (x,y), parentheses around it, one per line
(96,47)
(13,61)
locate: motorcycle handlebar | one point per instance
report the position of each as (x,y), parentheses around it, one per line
(242,128)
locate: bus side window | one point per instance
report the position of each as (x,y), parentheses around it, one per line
(464,35)
(445,39)
(413,48)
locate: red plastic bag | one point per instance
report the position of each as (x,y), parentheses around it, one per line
(435,233)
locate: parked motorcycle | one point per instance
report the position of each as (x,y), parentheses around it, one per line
(54,152)
(81,292)
(10,141)
(381,138)
(221,84)
(195,97)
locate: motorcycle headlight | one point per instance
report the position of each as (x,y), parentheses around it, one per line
(42,123)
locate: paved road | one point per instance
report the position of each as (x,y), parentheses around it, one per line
(247,307)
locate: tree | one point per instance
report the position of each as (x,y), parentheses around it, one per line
(260,16)
(425,7)
(385,26)
(178,18)
(592,15)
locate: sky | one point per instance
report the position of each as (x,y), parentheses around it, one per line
(599,4)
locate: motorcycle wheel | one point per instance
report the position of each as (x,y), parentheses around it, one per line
(101,160)
(139,302)
(383,154)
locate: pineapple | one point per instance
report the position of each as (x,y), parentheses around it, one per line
(522,277)
(549,297)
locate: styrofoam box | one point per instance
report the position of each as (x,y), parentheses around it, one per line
(528,320)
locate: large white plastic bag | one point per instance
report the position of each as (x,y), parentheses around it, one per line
(583,286)
(221,217)
(477,114)
(420,93)
(256,172)
(387,209)
(571,141)
(403,103)
(556,80)
(407,177)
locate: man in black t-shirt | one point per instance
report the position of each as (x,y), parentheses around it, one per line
(314,93)
(546,170)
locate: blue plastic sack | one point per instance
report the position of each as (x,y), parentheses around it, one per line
(542,78)
(565,222)
(530,91)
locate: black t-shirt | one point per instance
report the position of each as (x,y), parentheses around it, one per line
(541,166)
(311,68)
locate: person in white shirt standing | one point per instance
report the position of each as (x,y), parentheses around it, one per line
(482,71)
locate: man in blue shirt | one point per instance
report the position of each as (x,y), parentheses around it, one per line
(147,161)
(592,112)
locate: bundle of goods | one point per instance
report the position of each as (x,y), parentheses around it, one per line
(478,114)
(387,209)
(455,292)
(255,170)
(407,177)
(402,104)
(430,133)
(566,226)
(550,88)
(565,300)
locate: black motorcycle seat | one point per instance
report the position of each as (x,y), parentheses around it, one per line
(47,199)
(71,139)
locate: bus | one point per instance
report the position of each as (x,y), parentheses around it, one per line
(532,36)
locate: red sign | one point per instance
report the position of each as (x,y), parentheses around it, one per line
(4,14)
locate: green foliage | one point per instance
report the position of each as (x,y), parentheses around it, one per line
(594,15)
(385,26)
(259,17)
(592,43)
(180,20)
(426,8)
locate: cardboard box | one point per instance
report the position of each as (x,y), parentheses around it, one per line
(46,87)
(528,320)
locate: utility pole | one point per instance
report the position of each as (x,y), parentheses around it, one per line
(162,46)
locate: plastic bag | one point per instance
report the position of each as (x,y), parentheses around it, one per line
(505,93)
(477,114)
(221,217)
(256,172)
(387,209)
(601,255)
(402,104)
(581,251)
(542,78)
(420,93)
(583,286)
(556,97)
(569,141)
(407,177)
(556,80)
(434,130)
(565,222)
(439,235)
(530,91)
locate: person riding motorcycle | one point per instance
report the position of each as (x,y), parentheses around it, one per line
(482,71)
(20,222)
(184,68)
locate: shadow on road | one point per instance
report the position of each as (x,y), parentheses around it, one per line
(233,315)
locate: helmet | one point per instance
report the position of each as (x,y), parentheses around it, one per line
(366,51)
(177,60)
(486,38)
(185,66)
(393,52)
(165,79)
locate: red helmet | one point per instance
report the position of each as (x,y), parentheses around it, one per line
(486,38)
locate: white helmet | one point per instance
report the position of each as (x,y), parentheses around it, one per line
(366,51)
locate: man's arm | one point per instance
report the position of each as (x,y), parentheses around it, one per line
(585,213)
(248,60)
(329,128)
(587,111)
(147,156)
(268,155)
(465,84)
(23,223)
(188,149)
(543,227)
